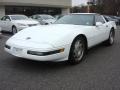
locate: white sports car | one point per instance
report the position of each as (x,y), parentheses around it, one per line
(66,39)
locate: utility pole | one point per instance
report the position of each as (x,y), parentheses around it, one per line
(88,8)
(89,3)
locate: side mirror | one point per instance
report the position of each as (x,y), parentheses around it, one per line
(99,24)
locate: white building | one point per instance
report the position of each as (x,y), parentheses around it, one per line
(30,7)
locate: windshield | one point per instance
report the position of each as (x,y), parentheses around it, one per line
(77,19)
(45,17)
(19,17)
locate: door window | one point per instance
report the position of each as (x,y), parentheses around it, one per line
(5,18)
(38,17)
(34,17)
(99,18)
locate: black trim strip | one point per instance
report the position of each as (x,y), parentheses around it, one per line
(43,53)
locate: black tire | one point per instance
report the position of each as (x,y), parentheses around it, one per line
(14,30)
(110,40)
(77,51)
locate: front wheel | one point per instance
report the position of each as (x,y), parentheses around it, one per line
(110,40)
(77,51)
(14,30)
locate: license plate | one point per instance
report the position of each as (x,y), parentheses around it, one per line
(17,50)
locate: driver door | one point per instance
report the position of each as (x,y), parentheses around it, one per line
(2,23)
(102,28)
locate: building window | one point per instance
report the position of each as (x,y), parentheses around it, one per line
(27,10)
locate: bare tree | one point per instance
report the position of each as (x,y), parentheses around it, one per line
(111,7)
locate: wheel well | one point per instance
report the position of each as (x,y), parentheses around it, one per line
(84,37)
(112,29)
(13,26)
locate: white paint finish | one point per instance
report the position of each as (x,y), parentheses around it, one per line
(53,37)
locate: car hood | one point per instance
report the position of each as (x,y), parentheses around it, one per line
(26,21)
(51,34)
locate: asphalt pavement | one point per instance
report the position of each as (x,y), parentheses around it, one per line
(99,71)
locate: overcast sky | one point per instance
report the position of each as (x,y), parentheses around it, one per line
(78,2)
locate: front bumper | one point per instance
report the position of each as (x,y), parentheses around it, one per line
(20,51)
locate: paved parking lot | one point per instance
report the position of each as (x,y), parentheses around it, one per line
(99,71)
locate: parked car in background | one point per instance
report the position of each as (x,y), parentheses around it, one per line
(44,19)
(109,18)
(116,17)
(67,39)
(15,23)
(58,16)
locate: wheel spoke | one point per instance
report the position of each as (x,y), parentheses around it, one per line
(78,50)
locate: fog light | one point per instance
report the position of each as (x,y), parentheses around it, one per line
(7,46)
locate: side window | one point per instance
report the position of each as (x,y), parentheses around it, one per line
(99,18)
(38,17)
(106,18)
(3,18)
(34,17)
(7,18)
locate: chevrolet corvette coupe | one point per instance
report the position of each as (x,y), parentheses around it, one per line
(67,39)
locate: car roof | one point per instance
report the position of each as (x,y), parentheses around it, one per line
(43,14)
(86,13)
(16,15)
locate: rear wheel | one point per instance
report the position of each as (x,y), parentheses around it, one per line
(14,30)
(110,41)
(77,51)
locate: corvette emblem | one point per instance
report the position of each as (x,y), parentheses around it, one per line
(28,38)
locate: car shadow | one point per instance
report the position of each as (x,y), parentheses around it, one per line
(36,66)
